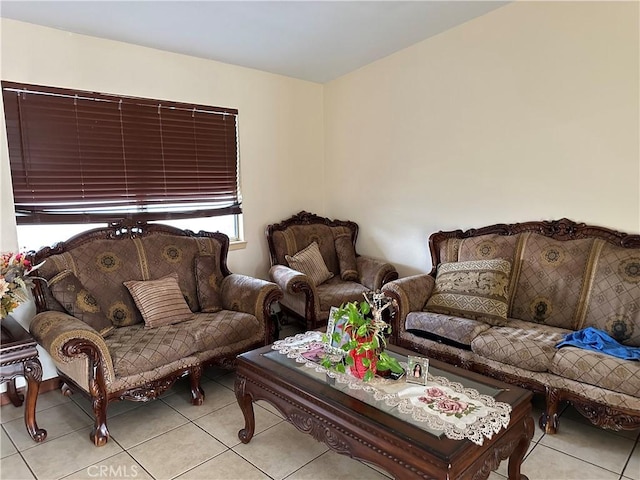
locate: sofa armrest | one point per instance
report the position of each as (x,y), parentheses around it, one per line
(65,338)
(374,273)
(251,295)
(410,295)
(291,281)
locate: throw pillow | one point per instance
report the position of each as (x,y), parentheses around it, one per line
(310,262)
(67,289)
(346,258)
(475,289)
(206,283)
(160,301)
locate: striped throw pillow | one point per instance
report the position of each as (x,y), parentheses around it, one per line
(310,262)
(160,301)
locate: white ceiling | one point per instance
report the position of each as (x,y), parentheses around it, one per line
(310,40)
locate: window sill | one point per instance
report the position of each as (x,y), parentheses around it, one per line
(237,245)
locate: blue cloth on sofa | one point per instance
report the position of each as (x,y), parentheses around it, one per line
(593,339)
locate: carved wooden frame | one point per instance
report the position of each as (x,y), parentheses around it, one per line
(97,394)
(306,218)
(564,229)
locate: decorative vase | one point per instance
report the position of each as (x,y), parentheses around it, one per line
(358,369)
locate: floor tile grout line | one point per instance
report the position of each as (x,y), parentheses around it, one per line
(582,460)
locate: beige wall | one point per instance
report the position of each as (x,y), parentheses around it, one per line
(527,113)
(280,118)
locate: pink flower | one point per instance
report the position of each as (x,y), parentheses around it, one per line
(434,392)
(450,406)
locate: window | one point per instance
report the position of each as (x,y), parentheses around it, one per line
(80,157)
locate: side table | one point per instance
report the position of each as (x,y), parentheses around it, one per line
(19,358)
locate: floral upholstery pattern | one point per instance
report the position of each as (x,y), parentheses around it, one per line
(135,361)
(349,274)
(565,277)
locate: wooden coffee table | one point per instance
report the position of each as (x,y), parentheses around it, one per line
(357,428)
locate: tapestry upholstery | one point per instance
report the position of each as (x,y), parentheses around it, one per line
(208,279)
(137,361)
(613,302)
(521,345)
(346,257)
(349,274)
(475,289)
(565,276)
(455,329)
(79,302)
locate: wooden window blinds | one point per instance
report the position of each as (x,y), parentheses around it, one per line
(80,156)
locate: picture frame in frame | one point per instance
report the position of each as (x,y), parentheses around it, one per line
(334,345)
(417,370)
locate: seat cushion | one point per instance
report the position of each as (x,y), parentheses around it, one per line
(476,289)
(336,291)
(597,369)
(310,262)
(135,349)
(521,344)
(456,329)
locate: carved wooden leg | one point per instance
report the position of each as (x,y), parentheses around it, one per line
(246,405)
(549,418)
(99,434)
(197,394)
(515,460)
(66,391)
(33,374)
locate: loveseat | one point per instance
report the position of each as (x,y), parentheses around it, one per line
(314,262)
(128,309)
(500,298)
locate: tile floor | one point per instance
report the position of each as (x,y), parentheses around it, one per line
(169,438)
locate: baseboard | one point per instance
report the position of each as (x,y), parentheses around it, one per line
(45,386)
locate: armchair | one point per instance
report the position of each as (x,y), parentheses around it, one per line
(344,277)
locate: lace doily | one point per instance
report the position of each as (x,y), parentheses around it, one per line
(442,405)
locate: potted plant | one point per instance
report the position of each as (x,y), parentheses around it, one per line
(366,328)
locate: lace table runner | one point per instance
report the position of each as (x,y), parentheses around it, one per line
(441,405)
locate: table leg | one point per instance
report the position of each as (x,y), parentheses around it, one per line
(515,460)
(245,402)
(33,374)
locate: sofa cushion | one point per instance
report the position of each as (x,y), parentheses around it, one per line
(475,289)
(137,349)
(336,291)
(597,369)
(435,325)
(79,302)
(551,280)
(521,344)
(310,262)
(613,302)
(207,276)
(346,258)
(226,327)
(160,301)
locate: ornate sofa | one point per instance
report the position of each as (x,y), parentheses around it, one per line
(130,308)
(312,284)
(504,319)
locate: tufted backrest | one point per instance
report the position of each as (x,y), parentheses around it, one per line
(103,259)
(563,274)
